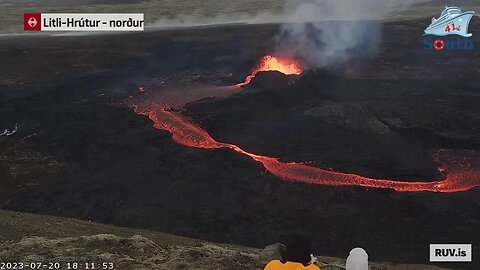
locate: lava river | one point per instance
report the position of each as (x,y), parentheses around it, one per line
(462,175)
(461,168)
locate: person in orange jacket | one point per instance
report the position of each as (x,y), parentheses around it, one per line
(296,256)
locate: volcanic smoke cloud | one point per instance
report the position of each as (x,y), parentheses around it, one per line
(331,32)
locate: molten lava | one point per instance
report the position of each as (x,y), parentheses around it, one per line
(462,175)
(271,63)
(461,168)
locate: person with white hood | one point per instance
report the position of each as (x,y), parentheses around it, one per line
(357,260)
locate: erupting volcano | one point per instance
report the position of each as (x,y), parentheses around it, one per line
(461,168)
(271,63)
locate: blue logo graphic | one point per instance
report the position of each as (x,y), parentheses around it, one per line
(452,21)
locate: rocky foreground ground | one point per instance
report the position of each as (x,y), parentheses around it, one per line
(35,238)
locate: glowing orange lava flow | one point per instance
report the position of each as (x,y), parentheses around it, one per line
(462,174)
(271,63)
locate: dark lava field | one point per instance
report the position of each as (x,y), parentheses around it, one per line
(81,150)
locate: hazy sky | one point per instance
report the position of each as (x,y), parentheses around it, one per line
(183,12)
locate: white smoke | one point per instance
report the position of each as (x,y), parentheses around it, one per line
(336,30)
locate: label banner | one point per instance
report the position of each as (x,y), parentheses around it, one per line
(83,22)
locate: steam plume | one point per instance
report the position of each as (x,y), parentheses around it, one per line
(333,31)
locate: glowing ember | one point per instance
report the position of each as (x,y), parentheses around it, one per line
(271,63)
(462,174)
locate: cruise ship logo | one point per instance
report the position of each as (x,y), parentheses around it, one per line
(452,21)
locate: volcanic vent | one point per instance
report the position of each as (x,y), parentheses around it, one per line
(272,63)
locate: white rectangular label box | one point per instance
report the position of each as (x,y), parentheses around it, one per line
(450,253)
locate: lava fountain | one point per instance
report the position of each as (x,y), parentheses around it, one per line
(271,63)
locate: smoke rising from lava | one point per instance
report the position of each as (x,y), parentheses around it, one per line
(334,31)
(321,32)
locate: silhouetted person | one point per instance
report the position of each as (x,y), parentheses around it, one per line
(297,255)
(357,260)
